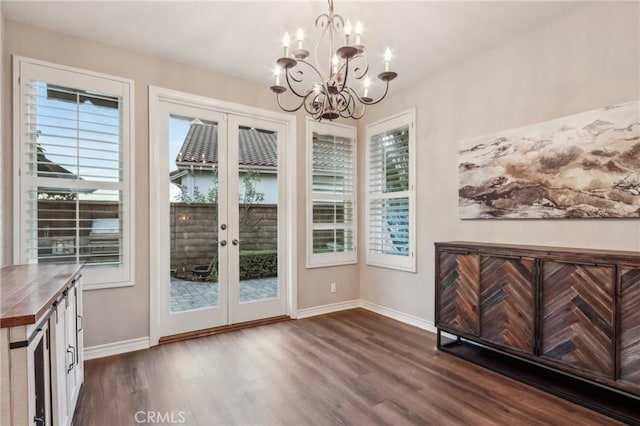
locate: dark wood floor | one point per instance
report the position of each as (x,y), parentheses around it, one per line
(353,367)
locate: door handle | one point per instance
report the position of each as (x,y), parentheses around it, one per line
(223,226)
(223,243)
(235,242)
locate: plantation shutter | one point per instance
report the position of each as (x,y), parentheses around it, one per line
(390,196)
(74,171)
(332,195)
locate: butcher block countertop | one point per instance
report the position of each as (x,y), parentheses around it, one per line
(28,291)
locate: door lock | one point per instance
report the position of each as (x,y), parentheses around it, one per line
(223,243)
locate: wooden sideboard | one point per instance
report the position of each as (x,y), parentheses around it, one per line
(41,343)
(564,320)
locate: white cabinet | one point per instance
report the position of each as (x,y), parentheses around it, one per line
(43,342)
(26,392)
(58,327)
(66,324)
(74,330)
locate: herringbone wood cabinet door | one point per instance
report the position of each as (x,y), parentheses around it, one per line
(459,289)
(630,325)
(507,302)
(577,316)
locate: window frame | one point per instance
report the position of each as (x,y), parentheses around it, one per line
(320,260)
(26,69)
(384,260)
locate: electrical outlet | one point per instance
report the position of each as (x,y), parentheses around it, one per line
(333,287)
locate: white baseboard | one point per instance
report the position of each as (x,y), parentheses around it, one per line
(398,316)
(327,309)
(116,348)
(370,306)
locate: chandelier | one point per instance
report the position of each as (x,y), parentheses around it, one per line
(329,93)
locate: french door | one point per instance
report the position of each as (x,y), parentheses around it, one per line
(220,255)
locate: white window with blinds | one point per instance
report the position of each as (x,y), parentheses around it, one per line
(73,132)
(390,214)
(331,199)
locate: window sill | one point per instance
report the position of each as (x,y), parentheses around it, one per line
(316,265)
(403,268)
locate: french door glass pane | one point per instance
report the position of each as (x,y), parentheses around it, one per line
(193,198)
(258,214)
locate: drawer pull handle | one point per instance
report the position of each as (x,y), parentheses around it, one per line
(71,350)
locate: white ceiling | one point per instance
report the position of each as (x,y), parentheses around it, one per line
(244,38)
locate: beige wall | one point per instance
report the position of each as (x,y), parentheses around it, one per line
(585,60)
(113,315)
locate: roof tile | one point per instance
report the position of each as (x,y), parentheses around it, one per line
(257,147)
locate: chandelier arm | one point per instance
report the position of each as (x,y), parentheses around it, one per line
(324,27)
(313,113)
(310,65)
(295,79)
(287,109)
(345,113)
(346,74)
(320,18)
(355,95)
(386,90)
(366,67)
(286,74)
(351,110)
(348,111)
(355,75)
(355,107)
(346,101)
(358,117)
(317,111)
(337,23)
(362,101)
(306,108)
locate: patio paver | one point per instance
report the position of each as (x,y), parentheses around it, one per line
(188,295)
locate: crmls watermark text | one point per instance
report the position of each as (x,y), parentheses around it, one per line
(160,417)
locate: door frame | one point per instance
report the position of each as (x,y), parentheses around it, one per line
(159,95)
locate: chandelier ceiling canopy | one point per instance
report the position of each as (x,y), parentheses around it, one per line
(329,90)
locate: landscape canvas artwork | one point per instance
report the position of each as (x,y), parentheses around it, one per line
(580,166)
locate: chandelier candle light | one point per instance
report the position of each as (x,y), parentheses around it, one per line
(328,94)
